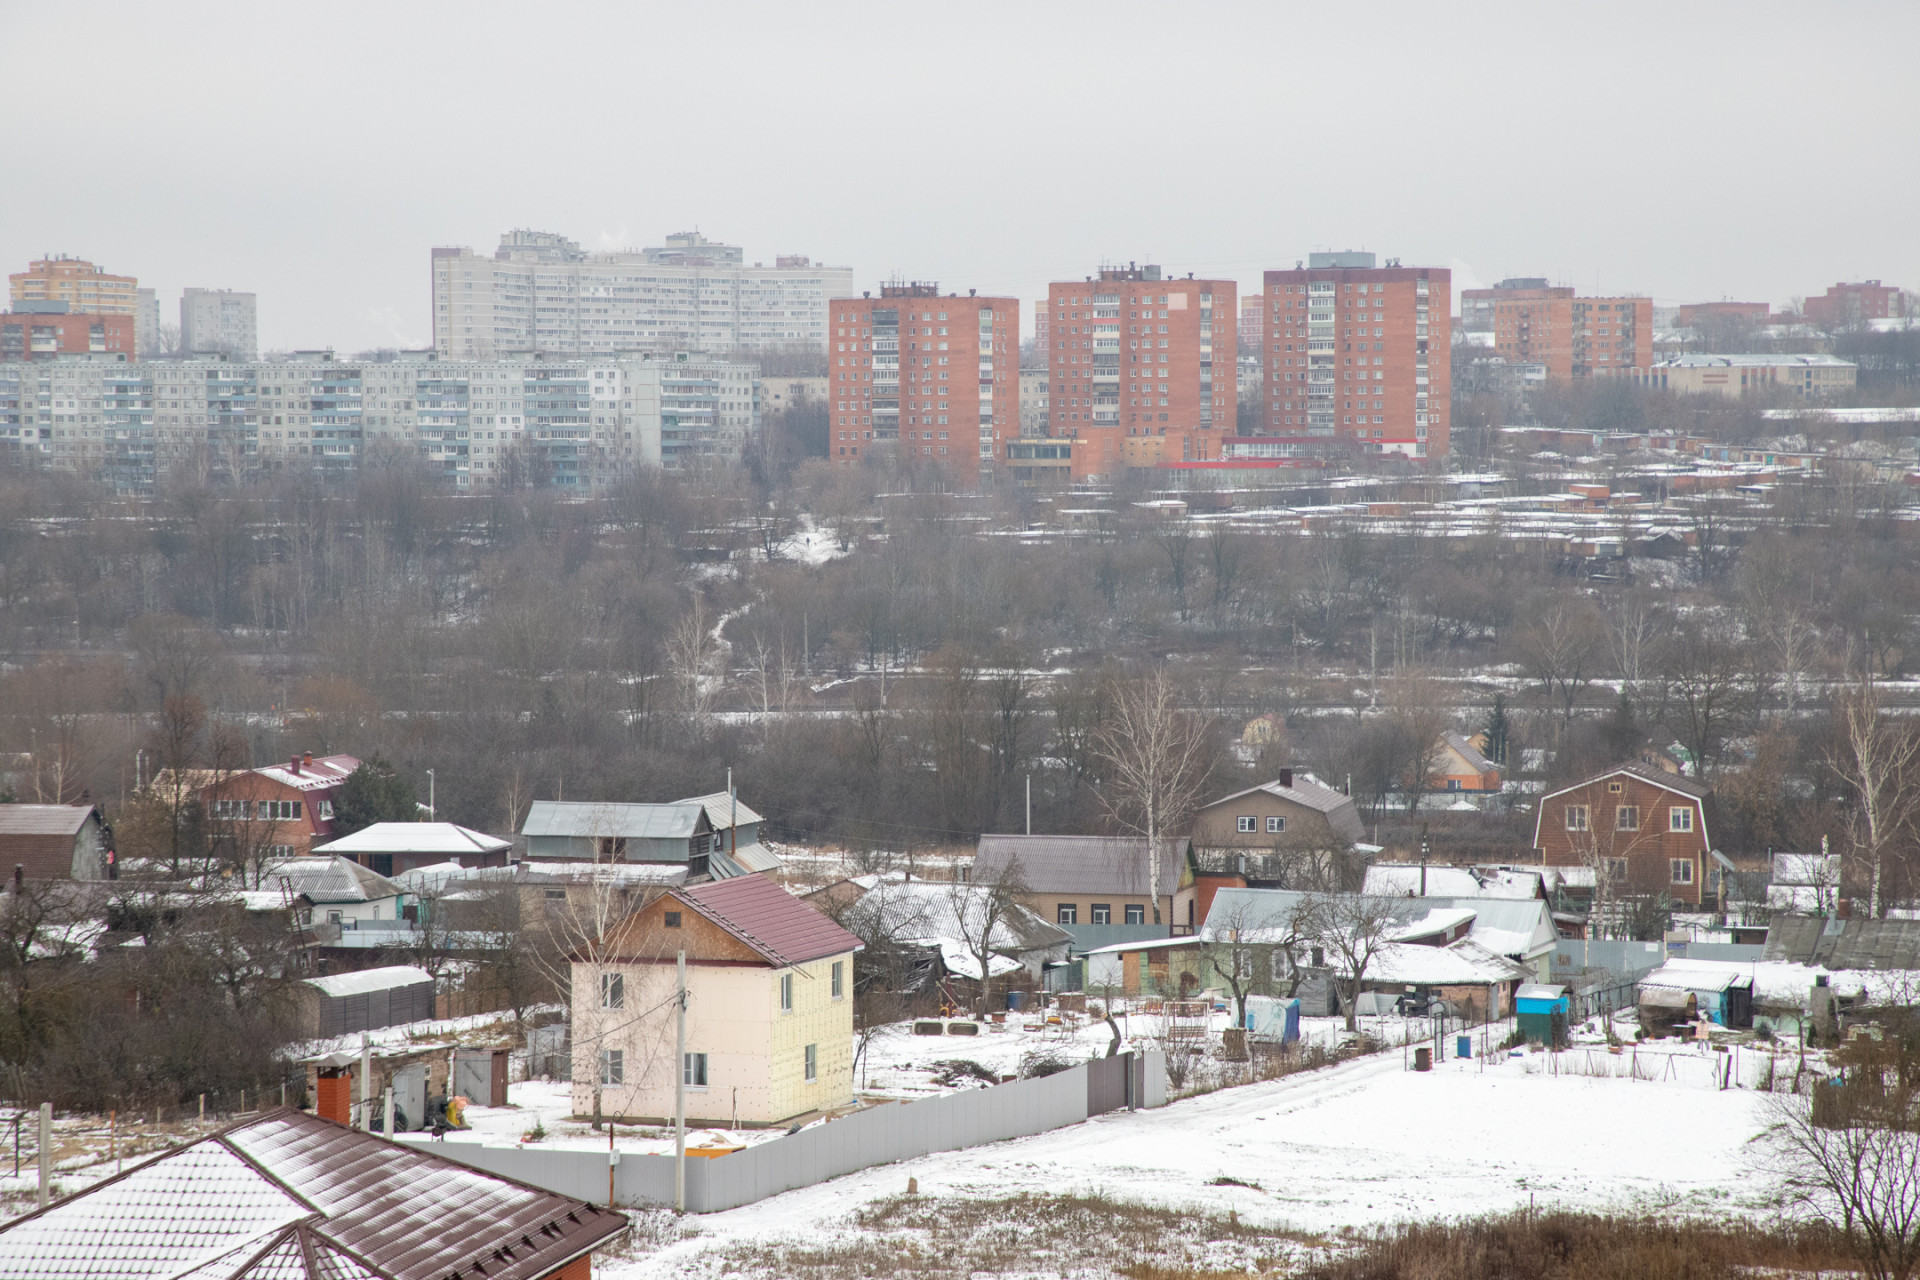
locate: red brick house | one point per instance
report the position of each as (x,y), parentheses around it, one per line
(1645,830)
(285,808)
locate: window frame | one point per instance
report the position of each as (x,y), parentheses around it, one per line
(1579,818)
(1276,824)
(1680,871)
(1136,909)
(1619,869)
(693,1070)
(1066,913)
(839,979)
(1246,824)
(1626,817)
(1100,912)
(1680,819)
(786,992)
(613,990)
(810,1063)
(613,1068)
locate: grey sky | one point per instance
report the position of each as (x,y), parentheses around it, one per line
(314,153)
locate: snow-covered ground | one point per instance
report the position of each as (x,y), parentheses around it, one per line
(1362,1143)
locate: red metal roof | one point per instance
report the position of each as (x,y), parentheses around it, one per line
(769,919)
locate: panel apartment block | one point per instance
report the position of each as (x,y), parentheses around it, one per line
(541,292)
(935,375)
(1360,352)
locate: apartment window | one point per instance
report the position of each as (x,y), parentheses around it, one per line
(786,993)
(1102,913)
(1276,825)
(1136,913)
(1626,817)
(1679,819)
(1246,823)
(613,991)
(673,919)
(839,979)
(1576,817)
(693,1070)
(613,1066)
(813,1062)
(1066,913)
(1682,870)
(1616,868)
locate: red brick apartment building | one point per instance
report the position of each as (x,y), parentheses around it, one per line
(1693,313)
(1360,352)
(1574,337)
(936,375)
(1845,304)
(1141,355)
(33,334)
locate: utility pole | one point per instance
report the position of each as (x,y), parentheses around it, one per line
(364,1120)
(1029,804)
(679,1085)
(46,1153)
(432,813)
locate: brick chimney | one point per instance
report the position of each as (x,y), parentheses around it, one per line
(294,764)
(335,1095)
(1286,777)
(308,759)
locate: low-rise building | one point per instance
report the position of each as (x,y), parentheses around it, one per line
(54,842)
(769,1015)
(1737,376)
(389,848)
(713,835)
(275,812)
(1091,885)
(1248,831)
(1642,831)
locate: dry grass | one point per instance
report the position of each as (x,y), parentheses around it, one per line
(937,1238)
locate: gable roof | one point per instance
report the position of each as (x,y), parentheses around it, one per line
(593,819)
(723,809)
(240,1203)
(1307,790)
(330,879)
(1658,777)
(1079,864)
(930,912)
(43,819)
(1461,747)
(1844,944)
(323,774)
(446,839)
(769,919)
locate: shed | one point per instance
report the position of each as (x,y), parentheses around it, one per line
(54,841)
(480,1075)
(366,1000)
(1273,1020)
(389,848)
(1535,1005)
(1723,993)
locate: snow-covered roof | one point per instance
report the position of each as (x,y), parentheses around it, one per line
(932,913)
(1465,962)
(1812,869)
(364,980)
(1436,920)
(1399,880)
(1699,975)
(321,773)
(442,839)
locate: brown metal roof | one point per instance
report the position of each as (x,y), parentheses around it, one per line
(769,919)
(288,1196)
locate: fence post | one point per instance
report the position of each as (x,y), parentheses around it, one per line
(46,1153)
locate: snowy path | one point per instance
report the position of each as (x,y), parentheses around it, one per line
(1361,1143)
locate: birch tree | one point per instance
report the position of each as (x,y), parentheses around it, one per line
(1154,760)
(1880,763)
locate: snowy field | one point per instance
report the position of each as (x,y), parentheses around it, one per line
(1362,1143)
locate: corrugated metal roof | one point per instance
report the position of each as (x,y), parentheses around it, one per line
(323,774)
(597,820)
(767,918)
(444,839)
(1079,864)
(347,984)
(1844,944)
(330,879)
(43,819)
(719,805)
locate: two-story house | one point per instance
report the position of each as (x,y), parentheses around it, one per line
(1245,833)
(769,1008)
(278,811)
(1458,765)
(1640,830)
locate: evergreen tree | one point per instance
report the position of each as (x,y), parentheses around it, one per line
(373,793)
(1497,731)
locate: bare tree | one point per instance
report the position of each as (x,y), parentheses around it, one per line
(1880,762)
(983,911)
(693,653)
(1354,928)
(1562,649)
(1154,756)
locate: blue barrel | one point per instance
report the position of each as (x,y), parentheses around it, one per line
(1463,1047)
(1016,1000)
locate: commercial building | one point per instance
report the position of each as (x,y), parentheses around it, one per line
(1136,352)
(1844,305)
(1574,337)
(1810,376)
(577,425)
(218,322)
(45,330)
(1361,352)
(937,376)
(541,292)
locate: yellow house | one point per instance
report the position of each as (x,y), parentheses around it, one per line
(769,1009)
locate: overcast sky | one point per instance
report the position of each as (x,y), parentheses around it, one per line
(314,153)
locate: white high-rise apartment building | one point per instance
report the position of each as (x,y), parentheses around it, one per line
(218,322)
(540,292)
(577,425)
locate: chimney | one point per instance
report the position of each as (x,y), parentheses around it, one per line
(1286,778)
(294,764)
(19,878)
(308,759)
(1844,909)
